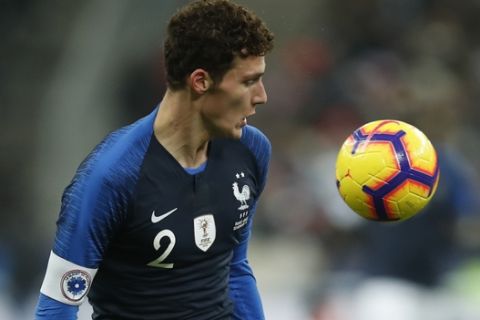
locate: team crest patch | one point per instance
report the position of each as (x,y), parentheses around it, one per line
(242,195)
(205,231)
(75,284)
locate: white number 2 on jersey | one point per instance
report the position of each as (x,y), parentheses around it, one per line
(158,263)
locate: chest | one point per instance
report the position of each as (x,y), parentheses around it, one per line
(177,219)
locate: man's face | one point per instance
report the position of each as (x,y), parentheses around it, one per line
(235,98)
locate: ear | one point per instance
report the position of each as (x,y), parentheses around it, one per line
(200,81)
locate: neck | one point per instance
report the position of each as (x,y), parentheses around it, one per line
(178,128)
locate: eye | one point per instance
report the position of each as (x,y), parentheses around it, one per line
(251,82)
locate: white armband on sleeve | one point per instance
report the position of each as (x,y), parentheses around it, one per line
(65,281)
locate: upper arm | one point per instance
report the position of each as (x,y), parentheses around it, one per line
(90,213)
(261,149)
(242,285)
(93,207)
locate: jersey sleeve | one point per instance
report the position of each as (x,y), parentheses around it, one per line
(88,216)
(48,308)
(93,207)
(243,287)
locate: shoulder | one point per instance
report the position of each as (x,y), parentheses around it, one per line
(256,141)
(120,153)
(260,147)
(97,198)
(110,168)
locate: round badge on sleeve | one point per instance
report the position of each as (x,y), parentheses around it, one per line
(75,285)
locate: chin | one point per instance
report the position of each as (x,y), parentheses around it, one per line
(235,134)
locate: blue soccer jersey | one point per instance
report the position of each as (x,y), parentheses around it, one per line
(145,238)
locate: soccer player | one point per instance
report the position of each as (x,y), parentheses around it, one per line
(156,221)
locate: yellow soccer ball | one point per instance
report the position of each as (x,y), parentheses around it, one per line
(387,170)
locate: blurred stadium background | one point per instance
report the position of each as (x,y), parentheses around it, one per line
(72,71)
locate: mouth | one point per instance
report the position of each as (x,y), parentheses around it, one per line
(244,122)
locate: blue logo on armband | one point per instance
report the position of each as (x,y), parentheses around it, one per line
(75,285)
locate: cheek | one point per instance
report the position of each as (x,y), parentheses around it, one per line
(230,102)
(239,100)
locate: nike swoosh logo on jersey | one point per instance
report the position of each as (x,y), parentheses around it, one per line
(156,219)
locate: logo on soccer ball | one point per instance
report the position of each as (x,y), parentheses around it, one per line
(75,284)
(387,170)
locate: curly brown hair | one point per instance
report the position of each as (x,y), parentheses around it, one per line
(209,34)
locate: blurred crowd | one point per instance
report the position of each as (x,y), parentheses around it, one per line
(71,72)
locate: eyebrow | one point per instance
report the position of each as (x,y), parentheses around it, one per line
(255,75)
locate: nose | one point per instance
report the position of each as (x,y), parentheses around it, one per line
(260,95)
